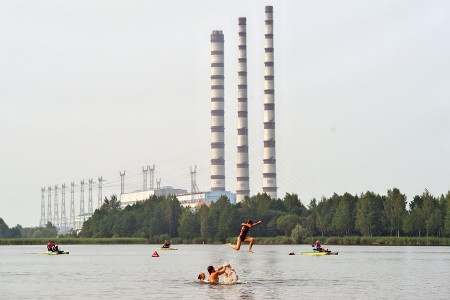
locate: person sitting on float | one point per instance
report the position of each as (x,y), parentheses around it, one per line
(318,246)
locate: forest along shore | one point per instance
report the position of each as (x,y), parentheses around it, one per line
(348,240)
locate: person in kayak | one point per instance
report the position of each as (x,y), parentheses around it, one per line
(318,246)
(215,273)
(166,244)
(243,235)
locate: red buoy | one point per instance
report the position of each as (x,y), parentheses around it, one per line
(155,254)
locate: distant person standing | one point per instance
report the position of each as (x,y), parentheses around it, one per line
(243,235)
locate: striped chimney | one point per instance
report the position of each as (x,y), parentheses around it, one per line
(217,112)
(242,178)
(269,166)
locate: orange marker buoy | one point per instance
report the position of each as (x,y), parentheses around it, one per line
(155,254)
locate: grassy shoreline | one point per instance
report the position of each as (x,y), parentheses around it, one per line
(365,241)
(73,241)
(279,240)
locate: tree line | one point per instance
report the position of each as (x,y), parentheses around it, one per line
(31,232)
(367,214)
(162,217)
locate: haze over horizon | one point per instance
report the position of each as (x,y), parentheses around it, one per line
(89,89)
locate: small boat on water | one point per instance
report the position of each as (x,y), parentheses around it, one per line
(54,252)
(320,253)
(166,248)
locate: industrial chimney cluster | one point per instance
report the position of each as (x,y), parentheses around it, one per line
(218,112)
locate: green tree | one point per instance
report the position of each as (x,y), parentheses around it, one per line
(407,224)
(292,204)
(205,228)
(394,210)
(343,221)
(324,216)
(112,204)
(287,222)
(16,231)
(189,224)
(222,213)
(431,213)
(4,229)
(447,215)
(299,234)
(368,214)
(49,231)
(311,215)
(172,213)
(418,220)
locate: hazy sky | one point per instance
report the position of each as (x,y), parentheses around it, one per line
(91,88)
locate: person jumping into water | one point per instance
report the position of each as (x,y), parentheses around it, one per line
(243,235)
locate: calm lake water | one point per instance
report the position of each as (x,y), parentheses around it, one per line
(129,272)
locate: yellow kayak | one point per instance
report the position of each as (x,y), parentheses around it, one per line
(317,253)
(166,249)
(54,253)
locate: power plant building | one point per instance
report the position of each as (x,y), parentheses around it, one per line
(133,197)
(217,104)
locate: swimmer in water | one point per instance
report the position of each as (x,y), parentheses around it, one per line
(230,275)
(201,276)
(214,274)
(243,235)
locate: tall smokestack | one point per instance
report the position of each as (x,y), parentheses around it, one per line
(217,112)
(242,178)
(269,167)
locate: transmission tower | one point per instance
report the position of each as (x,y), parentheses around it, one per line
(194,187)
(144,172)
(43,221)
(55,206)
(82,199)
(158,184)
(72,205)
(63,222)
(90,206)
(49,205)
(100,201)
(122,181)
(152,177)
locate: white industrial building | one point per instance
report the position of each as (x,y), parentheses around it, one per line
(192,200)
(80,219)
(133,197)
